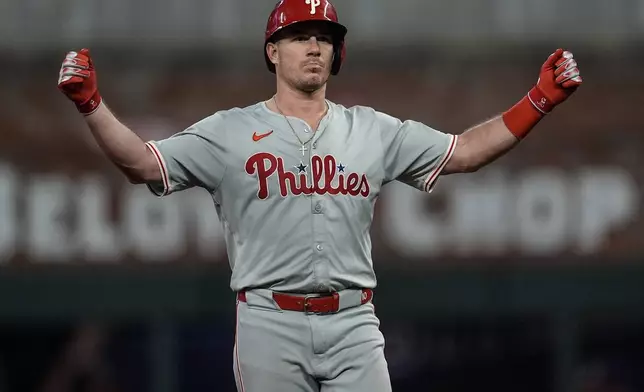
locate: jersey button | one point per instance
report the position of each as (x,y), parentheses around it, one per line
(318,207)
(319,247)
(314,145)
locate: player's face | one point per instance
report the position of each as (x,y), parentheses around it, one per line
(304,55)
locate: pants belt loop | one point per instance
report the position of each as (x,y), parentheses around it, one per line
(354,297)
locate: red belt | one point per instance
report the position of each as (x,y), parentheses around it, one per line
(311,303)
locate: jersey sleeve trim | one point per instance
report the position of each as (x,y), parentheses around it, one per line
(163,168)
(431,179)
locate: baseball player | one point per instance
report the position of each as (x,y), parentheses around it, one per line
(294,180)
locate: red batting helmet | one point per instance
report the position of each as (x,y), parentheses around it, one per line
(289,12)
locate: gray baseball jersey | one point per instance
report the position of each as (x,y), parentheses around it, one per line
(297,216)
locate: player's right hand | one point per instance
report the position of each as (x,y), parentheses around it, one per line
(77,80)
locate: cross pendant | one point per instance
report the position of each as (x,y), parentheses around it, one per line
(303,149)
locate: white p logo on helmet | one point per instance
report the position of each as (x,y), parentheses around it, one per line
(314,4)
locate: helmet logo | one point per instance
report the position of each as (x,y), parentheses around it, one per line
(314,4)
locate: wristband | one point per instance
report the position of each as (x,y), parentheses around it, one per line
(525,114)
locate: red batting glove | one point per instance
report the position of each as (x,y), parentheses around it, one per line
(558,79)
(77,80)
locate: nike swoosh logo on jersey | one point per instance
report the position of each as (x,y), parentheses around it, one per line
(257,137)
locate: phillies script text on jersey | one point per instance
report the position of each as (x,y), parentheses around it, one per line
(265,164)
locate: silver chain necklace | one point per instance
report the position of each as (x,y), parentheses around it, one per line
(303,144)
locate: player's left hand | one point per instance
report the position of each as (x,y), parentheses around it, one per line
(559,79)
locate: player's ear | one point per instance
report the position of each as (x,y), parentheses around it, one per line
(271,52)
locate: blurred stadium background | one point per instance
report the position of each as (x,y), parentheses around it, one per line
(525,276)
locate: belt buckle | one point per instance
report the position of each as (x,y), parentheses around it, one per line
(306,303)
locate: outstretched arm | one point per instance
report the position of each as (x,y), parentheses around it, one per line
(77,80)
(484,143)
